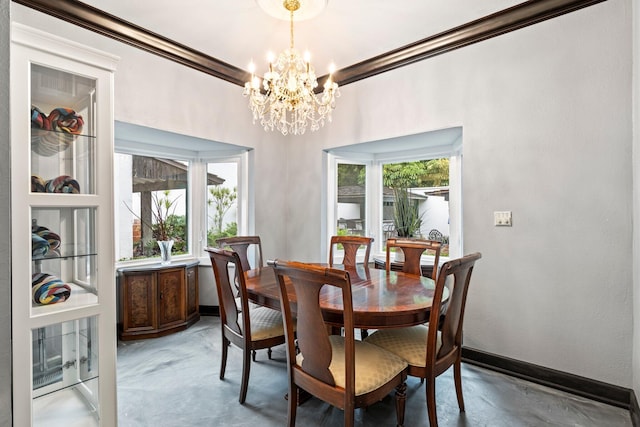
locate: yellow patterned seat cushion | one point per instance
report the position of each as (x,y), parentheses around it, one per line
(265,323)
(374,366)
(408,343)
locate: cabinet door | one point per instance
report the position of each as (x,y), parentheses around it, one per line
(139,302)
(171,298)
(192,293)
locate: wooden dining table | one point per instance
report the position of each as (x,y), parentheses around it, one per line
(380,299)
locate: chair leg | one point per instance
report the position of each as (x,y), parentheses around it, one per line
(253,355)
(223,357)
(431,402)
(269,353)
(293,404)
(363,333)
(349,415)
(401,399)
(246,368)
(457,377)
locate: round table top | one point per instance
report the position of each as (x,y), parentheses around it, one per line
(380,300)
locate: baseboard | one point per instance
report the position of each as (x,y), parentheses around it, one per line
(581,386)
(209,310)
(634,410)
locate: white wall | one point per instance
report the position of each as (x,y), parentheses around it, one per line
(435,215)
(546,117)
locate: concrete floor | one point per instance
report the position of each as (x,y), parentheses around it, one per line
(173,382)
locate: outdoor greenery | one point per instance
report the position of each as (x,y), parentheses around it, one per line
(401,177)
(165,225)
(229,231)
(406,217)
(222,199)
(423,173)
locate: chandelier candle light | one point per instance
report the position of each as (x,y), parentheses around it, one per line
(289,102)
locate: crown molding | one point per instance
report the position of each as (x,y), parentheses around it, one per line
(504,21)
(510,19)
(111,26)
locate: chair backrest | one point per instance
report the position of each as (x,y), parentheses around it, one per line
(240,245)
(311,333)
(350,244)
(413,250)
(233,318)
(458,272)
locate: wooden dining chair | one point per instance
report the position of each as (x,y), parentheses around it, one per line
(431,351)
(350,245)
(241,245)
(248,327)
(337,369)
(413,250)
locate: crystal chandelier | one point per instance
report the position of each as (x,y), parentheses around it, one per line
(289,102)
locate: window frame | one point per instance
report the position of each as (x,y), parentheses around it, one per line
(374,155)
(197,190)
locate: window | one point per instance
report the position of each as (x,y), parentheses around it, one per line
(191,188)
(351,199)
(424,184)
(361,178)
(222,200)
(151,205)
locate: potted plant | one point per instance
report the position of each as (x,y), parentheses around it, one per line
(163,231)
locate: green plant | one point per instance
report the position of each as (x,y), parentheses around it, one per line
(162,208)
(406,217)
(230,230)
(222,198)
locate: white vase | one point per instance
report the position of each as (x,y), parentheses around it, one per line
(165,251)
(399,255)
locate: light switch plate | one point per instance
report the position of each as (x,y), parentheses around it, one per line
(502,218)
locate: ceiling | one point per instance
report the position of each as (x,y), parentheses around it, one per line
(346,32)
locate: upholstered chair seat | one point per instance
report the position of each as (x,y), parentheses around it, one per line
(408,343)
(265,323)
(374,366)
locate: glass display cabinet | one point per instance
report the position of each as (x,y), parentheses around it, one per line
(63,278)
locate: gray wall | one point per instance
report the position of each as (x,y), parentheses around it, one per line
(5,221)
(636,197)
(547,134)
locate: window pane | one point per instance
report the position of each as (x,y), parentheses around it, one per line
(416,200)
(151,205)
(351,199)
(222,203)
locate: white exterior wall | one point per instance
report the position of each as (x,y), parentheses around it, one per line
(546,118)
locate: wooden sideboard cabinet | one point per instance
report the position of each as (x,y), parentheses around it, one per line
(156,300)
